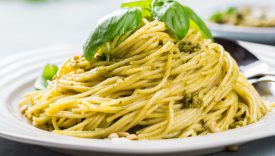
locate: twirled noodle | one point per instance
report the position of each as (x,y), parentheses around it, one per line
(153,86)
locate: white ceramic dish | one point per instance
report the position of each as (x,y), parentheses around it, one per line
(253,34)
(260,35)
(19,72)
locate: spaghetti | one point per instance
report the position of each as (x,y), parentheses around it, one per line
(154,86)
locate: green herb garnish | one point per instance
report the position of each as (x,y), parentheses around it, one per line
(173,14)
(197,22)
(114,25)
(177,17)
(191,101)
(219,16)
(232,10)
(40,83)
(48,73)
(188,47)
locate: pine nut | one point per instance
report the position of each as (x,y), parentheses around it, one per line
(232,148)
(123,134)
(132,137)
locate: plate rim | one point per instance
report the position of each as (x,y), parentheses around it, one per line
(239,29)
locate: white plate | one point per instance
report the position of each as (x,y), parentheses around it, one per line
(253,34)
(19,72)
(260,35)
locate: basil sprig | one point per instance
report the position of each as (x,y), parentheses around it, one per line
(48,73)
(178,18)
(116,24)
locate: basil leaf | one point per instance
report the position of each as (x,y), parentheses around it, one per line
(178,18)
(40,83)
(173,15)
(49,71)
(231,10)
(116,24)
(217,17)
(144,5)
(198,22)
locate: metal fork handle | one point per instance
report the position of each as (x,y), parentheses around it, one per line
(263,74)
(263,79)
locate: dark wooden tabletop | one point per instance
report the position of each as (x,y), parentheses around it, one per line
(263,147)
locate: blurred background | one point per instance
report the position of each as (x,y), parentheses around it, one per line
(34,24)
